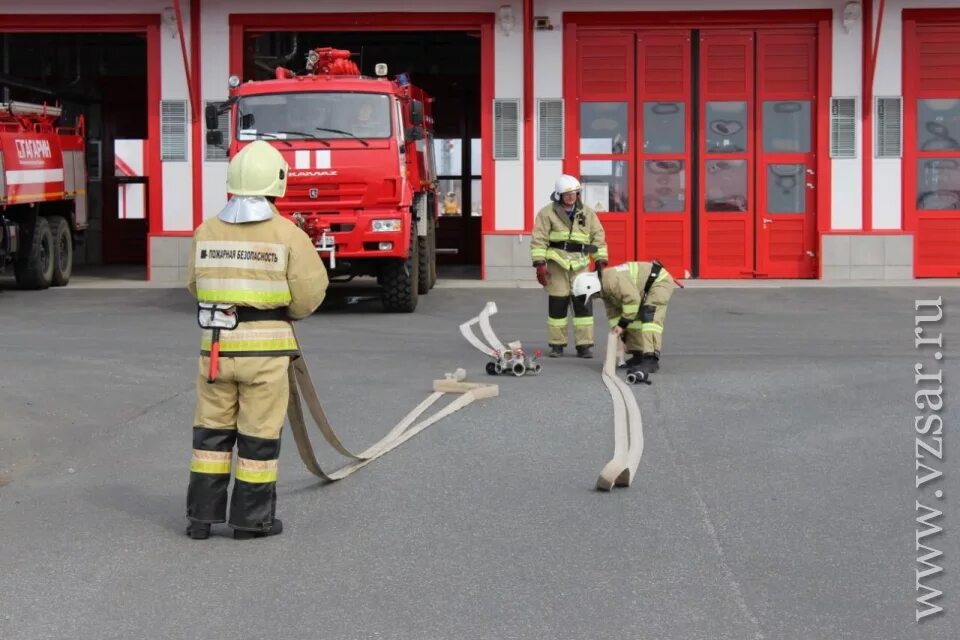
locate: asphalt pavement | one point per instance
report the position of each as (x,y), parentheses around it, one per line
(775,498)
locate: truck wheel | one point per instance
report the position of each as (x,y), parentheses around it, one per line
(427,257)
(62,251)
(399,279)
(35,270)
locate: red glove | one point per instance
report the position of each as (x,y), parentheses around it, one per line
(542,273)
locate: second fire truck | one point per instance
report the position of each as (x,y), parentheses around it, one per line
(43,202)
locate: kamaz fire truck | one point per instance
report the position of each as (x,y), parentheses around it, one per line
(43,202)
(362,181)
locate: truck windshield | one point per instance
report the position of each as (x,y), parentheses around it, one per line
(319,115)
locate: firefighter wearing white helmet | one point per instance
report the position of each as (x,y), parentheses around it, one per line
(252,272)
(566,234)
(636,295)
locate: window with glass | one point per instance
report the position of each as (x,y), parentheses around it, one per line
(454,181)
(604,185)
(664,186)
(726,185)
(664,127)
(726,127)
(938,184)
(786,188)
(314,115)
(603,128)
(938,125)
(786,126)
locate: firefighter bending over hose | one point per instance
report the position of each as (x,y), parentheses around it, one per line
(635,295)
(252,272)
(565,234)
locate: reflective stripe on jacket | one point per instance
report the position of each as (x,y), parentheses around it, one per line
(553,225)
(265,265)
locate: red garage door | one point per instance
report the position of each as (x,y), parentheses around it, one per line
(931,136)
(698,147)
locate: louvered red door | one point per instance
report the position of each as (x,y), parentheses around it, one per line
(931,140)
(726,204)
(664,151)
(602,125)
(786,224)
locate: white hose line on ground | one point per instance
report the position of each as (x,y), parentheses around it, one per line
(627,426)
(487,330)
(467,331)
(300,382)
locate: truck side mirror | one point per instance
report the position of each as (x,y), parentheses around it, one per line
(412,134)
(215,138)
(212,117)
(416,113)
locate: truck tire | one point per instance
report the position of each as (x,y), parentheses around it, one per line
(427,255)
(399,279)
(35,270)
(62,251)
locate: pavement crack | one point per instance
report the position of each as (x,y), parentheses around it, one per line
(714,539)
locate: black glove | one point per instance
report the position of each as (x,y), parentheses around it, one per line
(624,323)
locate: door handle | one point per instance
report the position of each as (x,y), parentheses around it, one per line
(811,172)
(810,185)
(766,221)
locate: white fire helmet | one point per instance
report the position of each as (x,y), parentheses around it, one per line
(586,284)
(565,184)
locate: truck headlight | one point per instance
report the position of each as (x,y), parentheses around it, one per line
(387,225)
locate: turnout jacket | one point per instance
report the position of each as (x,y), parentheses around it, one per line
(270,264)
(583,236)
(622,290)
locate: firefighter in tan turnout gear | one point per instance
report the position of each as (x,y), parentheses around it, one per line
(565,234)
(635,295)
(252,272)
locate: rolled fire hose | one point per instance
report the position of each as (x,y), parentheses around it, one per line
(627,426)
(301,385)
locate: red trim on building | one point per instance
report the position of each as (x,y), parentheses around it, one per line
(528,100)
(197,131)
(866,114)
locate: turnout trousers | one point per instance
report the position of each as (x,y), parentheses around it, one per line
(559,284)
(244,407)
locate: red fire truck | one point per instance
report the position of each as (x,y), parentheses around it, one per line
(43,186)
(362,180)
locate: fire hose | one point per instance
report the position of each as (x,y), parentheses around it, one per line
(301,386)
(627,426)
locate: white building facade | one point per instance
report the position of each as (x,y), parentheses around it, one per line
(757,139)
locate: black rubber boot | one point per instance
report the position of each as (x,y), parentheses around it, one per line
(198,530)
(276,528)
(556,351)
(584,351)
(634,359)
(649,363)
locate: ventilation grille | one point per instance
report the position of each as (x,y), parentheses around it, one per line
(173,130)
(550,117)
(506,129)
(214,152)
(889,134)
(843,127)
